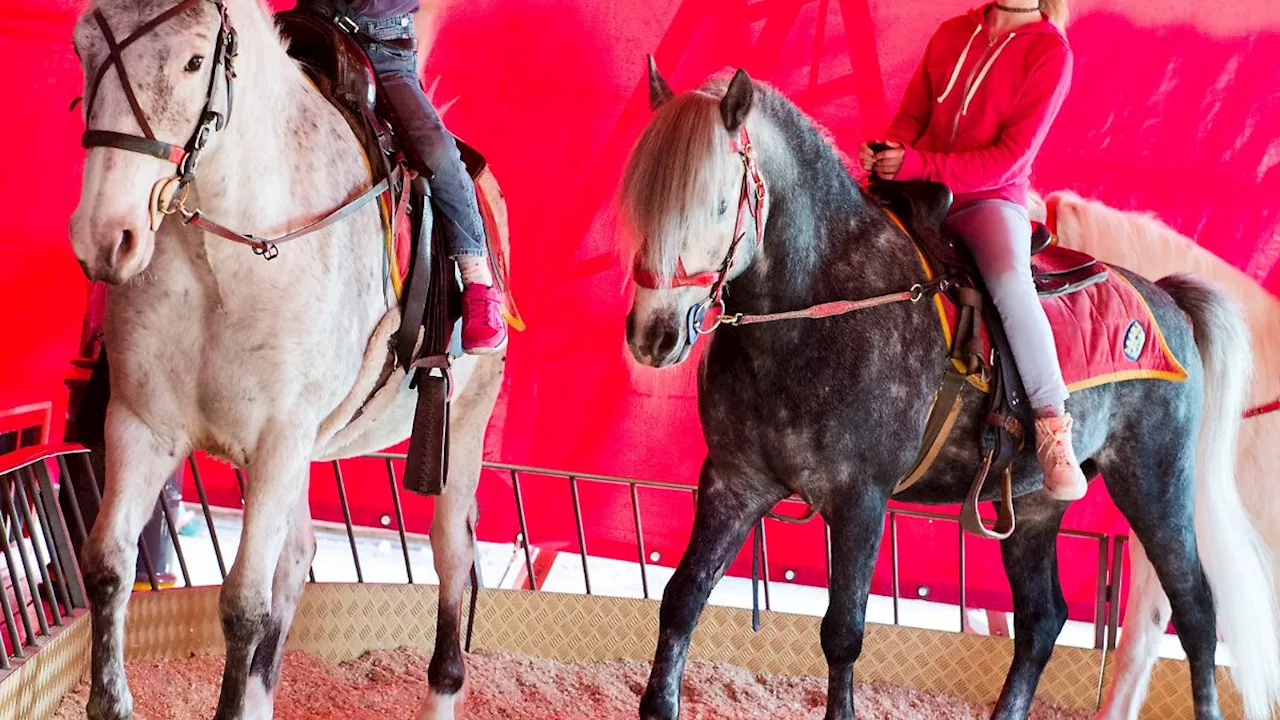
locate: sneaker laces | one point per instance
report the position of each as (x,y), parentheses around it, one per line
(1053,445)
(485,305)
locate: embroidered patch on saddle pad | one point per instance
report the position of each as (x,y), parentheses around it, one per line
(1104,330)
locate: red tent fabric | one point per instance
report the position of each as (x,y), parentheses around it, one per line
(1175,109)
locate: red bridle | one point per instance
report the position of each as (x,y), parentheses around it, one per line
(750,203)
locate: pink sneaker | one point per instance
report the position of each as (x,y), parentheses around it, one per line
(483,330)
(1063,478)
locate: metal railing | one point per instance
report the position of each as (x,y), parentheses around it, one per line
(34,527)
(42,590)
(1106,579)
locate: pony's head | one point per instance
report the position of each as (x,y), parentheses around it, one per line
(696,207)
(155,83)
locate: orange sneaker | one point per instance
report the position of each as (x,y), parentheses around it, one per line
(1063,479)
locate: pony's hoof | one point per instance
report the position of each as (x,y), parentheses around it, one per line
(439,706)
(653,707)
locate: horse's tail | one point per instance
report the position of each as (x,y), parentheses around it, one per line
(1235,558)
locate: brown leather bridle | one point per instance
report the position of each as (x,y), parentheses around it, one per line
(186,156)
(750,204)
(169,195)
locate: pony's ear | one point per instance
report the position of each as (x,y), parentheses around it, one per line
(659,91)
(736,102)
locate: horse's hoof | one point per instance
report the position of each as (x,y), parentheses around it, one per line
(110,709)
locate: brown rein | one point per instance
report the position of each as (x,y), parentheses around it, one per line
(264,246)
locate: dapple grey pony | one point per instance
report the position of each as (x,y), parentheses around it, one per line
(833,409)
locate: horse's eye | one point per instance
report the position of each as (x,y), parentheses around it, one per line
(194,64)
(724,207)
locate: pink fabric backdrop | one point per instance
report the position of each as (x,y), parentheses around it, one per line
(1175,109)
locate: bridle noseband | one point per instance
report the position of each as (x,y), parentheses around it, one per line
(171,191)
(750,203)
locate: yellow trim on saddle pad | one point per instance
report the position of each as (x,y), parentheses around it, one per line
(941,309)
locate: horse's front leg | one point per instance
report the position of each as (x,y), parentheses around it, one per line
(137,463)
(286,589)
(452,532)
(857,524)
(727,510)
(276,490)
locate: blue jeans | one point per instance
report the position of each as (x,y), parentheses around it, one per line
(428,144)
(998,235)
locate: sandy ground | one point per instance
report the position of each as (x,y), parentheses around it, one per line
(388,685)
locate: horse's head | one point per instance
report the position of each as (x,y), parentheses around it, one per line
(156,87)
(696,205)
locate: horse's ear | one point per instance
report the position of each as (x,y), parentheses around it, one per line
(659,91)
(736,102)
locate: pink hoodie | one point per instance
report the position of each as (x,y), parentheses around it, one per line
(977,110)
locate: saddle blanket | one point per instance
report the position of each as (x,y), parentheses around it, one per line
(1103,328)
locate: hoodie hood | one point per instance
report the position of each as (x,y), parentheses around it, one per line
(977,19)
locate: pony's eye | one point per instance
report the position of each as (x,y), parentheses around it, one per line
(194,64)
(724,207)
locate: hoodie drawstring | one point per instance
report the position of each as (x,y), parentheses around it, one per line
(964,110)
(963,56)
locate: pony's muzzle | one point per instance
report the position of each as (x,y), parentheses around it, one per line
(658,343)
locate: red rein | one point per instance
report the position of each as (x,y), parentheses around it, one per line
(1263,410)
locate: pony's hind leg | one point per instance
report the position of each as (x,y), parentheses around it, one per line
(726,511)
(277,484)
(1145,618)
(1156,495)
(286,589)
(137,463)
(453,537)
(857,525)
(1039,609)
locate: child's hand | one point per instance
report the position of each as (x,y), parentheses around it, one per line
(866,157)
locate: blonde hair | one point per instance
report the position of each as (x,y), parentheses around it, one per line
(1057,12)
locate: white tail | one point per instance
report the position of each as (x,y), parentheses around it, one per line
(1235,558)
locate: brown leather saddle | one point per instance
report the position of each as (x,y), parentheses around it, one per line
(431,305)
(922,207)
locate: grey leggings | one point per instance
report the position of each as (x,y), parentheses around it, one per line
(998,235)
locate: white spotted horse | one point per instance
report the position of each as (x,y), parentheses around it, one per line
(830,376)
(260,272)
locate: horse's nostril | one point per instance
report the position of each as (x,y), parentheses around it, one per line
(127,240)
(666,343)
